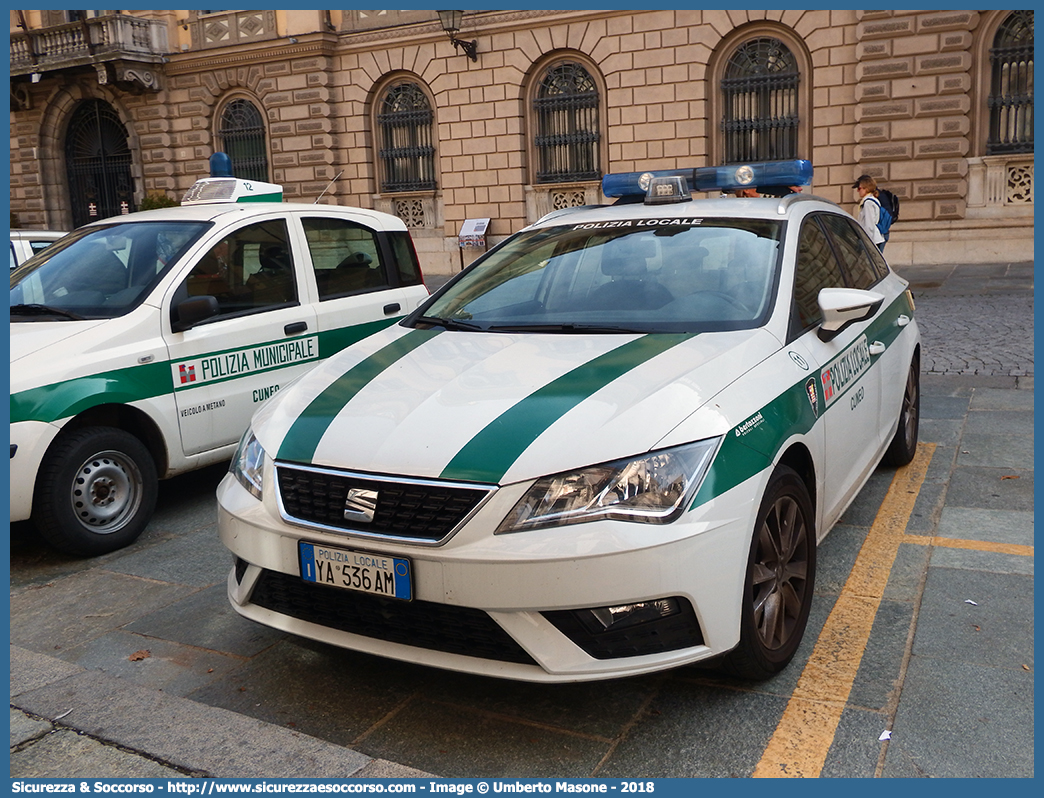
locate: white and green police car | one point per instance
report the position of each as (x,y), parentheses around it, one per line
(142,344)
(608,447)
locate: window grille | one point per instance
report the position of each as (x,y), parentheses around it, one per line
(411,211)
(567,138)
(760,103)
(242,137)
(1011,87)
(568,199)
(407,152)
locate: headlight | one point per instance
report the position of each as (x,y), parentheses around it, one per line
(249,463)
(650,489)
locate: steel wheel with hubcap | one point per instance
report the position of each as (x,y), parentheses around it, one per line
(780,577)
(95,492)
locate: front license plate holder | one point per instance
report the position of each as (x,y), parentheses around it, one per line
(361,571)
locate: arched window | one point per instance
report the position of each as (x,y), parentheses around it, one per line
(405,125)
(566,134)
(98,163)
(759,95)
(1010,100)
(242,137)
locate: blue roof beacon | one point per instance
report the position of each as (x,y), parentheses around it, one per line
(651,186)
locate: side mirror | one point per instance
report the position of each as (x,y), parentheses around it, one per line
(190,312)
(843,306)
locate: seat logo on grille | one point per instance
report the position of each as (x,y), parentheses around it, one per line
(360,505)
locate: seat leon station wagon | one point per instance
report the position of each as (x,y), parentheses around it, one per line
(608,447)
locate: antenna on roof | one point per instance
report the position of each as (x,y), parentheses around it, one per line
(334,180)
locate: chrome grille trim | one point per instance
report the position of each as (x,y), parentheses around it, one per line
(479,495)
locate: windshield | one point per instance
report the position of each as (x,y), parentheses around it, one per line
(99,272)
(692,275)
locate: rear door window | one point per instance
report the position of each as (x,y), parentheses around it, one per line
(859,269)
(346,257)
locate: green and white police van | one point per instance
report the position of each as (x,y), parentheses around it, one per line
(142,344)
(608,447)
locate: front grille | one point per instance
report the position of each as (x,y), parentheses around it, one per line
(427,511)
(439,627)
(652,637)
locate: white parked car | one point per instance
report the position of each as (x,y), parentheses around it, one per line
(26,243)
(141,344)
(608,447)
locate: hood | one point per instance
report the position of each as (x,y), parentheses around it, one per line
(500,408)
(32,338)
(49,352)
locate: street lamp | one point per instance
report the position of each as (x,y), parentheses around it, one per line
(451,24)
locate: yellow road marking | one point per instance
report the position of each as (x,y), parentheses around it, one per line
(974,545)
(799,746)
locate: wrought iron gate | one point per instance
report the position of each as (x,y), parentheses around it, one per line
(98,164)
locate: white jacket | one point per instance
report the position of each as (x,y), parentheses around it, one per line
(869,216)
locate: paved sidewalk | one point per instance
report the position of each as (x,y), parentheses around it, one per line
(949,669)
(965,706)
(85,723)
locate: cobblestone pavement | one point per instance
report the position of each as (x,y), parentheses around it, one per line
(975,320)
(982,335)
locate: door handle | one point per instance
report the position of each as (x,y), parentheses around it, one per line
(295,327)
(394,307)
(902,321)
(877,348)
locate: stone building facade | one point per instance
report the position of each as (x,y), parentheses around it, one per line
(381,109)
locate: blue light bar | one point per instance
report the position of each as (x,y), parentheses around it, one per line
(714,178)
(753,175)
(630,184)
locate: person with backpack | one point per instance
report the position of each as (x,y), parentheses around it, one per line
(872,216)
(890,211)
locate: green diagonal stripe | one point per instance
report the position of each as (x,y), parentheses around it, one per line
(66,398)
(300,442)
(487,456)
(742,456)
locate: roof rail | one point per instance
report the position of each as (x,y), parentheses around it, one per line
(791,199)
(565,212)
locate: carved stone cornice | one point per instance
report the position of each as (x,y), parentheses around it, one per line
(330,44)
(474,24)
(248,55)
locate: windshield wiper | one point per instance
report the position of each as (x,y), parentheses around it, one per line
(566,328)
(450,324)
(44,310)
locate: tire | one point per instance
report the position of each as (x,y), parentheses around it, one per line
(904,445)
(95,491)
(780,577)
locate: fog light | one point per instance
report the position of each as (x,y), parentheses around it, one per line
(606,619)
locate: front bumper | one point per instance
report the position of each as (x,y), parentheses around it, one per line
(29,443)
(487,604)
